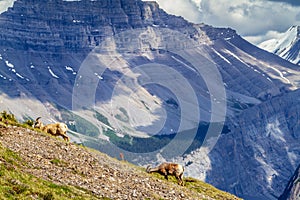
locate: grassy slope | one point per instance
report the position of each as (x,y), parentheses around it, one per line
(16,184)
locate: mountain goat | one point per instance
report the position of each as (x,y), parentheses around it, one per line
(169,169)
(57,129)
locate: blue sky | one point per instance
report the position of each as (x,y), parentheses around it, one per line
(256,20)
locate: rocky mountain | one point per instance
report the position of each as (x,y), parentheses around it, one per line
(34,165)
(287,46)
(127,77)
(292,190)
(260,152)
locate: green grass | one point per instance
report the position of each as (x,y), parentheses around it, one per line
(102,118)
(15,184)
(200,187)
(207,189)
(83,126)
(136,144)
(10,119)
(58,162)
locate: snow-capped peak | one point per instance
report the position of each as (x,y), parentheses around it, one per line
(287,46)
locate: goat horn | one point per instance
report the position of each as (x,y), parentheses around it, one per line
(148,168)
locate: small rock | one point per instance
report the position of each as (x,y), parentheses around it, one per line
(112,179)
(134,193)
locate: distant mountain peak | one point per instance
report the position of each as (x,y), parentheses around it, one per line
(287,47)
(295,27)
(294,31)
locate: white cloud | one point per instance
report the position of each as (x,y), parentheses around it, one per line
(184,8)
(253,19)
(249,17)
(261,38)
(4,4)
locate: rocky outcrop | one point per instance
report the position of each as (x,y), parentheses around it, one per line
(259,153)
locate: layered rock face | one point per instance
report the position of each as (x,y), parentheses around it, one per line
(258,154)
(59,26)
(44,42)
(292,191)
(263,146)
(131,52)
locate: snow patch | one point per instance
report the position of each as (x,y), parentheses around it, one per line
(1,76)
(257,71)
(100,77)
(20,76)
(191,68)
(221,56)
(273,129)
(280,74)
(8,64)
(293,158)
(70,69)
(270,172)
(12,68)
(236,57)
(52,73)
(76,21)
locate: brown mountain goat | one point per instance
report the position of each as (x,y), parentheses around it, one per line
(169,169)
(57,129)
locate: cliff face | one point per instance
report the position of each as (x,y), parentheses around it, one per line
(265,144)
(258,154)
(292,190)
(44,40)
(60,26)
(135,71)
